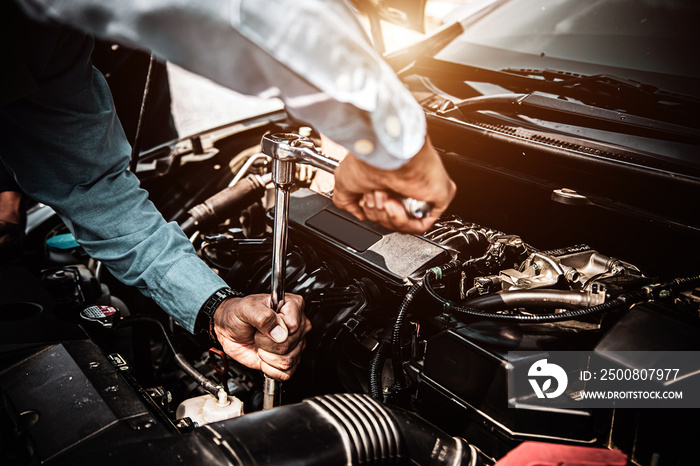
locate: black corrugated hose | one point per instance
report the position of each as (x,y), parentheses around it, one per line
(396,340)
(375,370)
(437,273)
(624,300)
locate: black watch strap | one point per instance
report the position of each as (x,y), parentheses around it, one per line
(205,317)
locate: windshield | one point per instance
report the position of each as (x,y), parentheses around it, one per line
(648,40)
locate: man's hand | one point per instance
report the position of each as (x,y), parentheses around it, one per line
(254,335)
(366,191)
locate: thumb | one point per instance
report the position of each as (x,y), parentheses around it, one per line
(280,332)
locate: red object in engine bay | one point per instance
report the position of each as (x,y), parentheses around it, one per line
(551,454)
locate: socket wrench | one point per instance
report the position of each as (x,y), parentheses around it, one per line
(286,149)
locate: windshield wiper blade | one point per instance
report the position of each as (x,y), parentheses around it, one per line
(615,93)
(602,91)
(575,113)
(434,68)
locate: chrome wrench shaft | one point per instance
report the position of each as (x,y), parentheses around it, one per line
(283,168)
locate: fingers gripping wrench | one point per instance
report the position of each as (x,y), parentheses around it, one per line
(286,149)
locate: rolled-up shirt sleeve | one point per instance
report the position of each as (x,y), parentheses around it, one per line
(312,54)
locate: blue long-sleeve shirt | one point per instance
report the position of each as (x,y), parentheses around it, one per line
(64,144)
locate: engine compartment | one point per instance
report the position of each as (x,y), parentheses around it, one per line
(410,335)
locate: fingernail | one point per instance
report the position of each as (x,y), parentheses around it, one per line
(369,201)
(278,334)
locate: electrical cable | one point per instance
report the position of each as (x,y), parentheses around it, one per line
(568,315)
(188,368)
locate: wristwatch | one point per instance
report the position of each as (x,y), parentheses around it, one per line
(205,317)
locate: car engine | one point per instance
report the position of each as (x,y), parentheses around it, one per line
(407,359)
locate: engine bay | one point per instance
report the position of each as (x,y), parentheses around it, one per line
(407,359)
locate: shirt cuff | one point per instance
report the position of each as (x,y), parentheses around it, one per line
(184,289)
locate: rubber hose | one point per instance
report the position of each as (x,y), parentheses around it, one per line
(189,226)
(624,300)
(224,204)
(548,299)
(335,429)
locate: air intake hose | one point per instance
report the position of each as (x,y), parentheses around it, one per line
(338,429)
(225,203)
